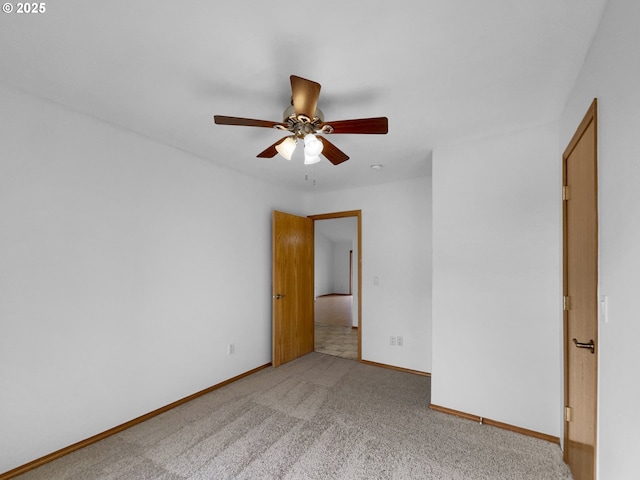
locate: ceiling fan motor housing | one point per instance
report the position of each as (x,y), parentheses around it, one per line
(301,125)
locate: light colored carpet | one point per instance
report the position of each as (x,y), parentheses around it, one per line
(318,417)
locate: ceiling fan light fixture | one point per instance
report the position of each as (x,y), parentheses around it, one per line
(312,146)
(286,147)
(312,149)
(310,160)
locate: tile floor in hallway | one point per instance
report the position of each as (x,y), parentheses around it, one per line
(336,340)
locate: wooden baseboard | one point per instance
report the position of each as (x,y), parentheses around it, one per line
(495,423)
(457,413)
(100,436)
(392,367)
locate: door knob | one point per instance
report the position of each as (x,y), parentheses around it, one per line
(591,346)
(277,296)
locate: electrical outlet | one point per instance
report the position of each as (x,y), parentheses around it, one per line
(230,349)
(400,342)
(392,341)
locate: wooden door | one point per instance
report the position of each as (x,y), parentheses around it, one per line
(580,224)
(292,287)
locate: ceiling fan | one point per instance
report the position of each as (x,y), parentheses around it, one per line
(303,120)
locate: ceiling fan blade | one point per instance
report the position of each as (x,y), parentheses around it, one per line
(332,153)
(271,151)
(377,125)
(304,94)
(247,122)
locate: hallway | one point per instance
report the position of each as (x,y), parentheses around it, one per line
(334,334)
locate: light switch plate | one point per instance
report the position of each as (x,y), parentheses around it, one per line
(604,308)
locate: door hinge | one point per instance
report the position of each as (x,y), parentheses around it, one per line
(567,414)
(565,192)
(566,304)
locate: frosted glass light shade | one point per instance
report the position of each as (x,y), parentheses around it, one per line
(312,149)
(312,146)
(310,160)
(286,147)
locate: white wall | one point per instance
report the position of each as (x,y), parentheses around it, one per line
(341,269)
(496,278)
(612,74)
(396,248)
(126,269)
(323,265)
(331,264)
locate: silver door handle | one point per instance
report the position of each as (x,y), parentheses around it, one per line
(591,346)
(277,296)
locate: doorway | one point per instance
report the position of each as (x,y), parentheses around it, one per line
(337,286)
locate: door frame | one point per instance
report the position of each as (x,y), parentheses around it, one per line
(590,118)
(358,215)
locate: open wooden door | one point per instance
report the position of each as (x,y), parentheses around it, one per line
(580,223)
(292,286)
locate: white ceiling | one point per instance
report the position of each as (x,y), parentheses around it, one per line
(440,70)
